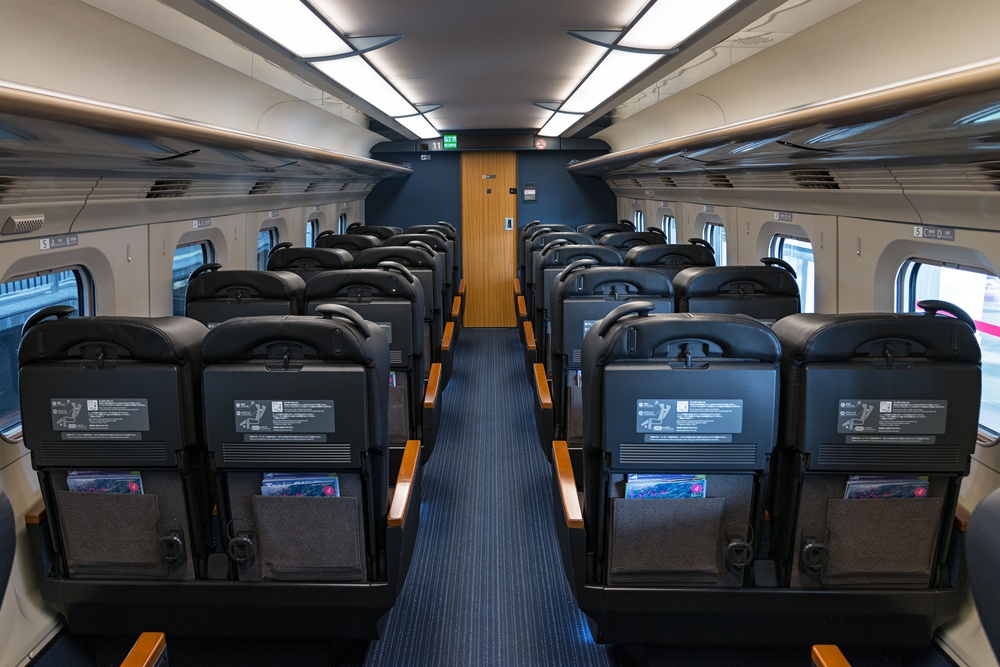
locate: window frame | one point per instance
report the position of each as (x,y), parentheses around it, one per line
(10,423)
(720,247)
(639,220)
(312,229)
(273,240)
(905,301)
(668,223)
(208,255)
(806,280)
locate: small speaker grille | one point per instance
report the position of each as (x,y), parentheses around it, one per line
(23,224)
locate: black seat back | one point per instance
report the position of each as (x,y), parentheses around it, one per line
(109,412)
(306,396)
(307,262)
(627,240)
(599,229)
(880,417)
(381,232)
(672,258)
(440,244)
(680,416)
(352,243)
(766,292)
(214,296)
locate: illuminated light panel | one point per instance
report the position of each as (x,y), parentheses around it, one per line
(289,23)
(669,22)
(558,123)
(419,126)
(360,78)
(613,74)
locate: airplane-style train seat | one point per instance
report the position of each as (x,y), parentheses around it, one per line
(423,263)
(879,421)
(301,464)
(624,241)
(8,540)
(214,296)
(381,232)
(680,414)
(110,412)
(524,240)
(599,229)
(392,297)
(553,258)
(352,243)
(307,262)
(454,247)
(767,292)
(442,247)
(672,258)
(533,249)
(582,294)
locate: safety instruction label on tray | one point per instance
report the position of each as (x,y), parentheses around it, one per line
(100,414)
(701,420)
(281,417)
(873,416)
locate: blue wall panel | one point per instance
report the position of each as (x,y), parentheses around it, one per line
(562,197)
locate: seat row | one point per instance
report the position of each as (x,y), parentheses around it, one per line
(746,485)
(223,482)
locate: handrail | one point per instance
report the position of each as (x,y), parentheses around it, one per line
(567,484)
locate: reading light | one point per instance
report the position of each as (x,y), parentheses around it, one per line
(289,23)
(419,126)
(360,78)
(667,23)
(558,123)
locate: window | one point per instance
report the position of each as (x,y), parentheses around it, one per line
(799,253)
(187,258)
(669,226)
(19,299)
(266,239)
(312,231)
(342,223)
(715,234)
(978,294)
(638,220)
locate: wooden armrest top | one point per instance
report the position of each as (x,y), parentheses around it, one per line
(962,516)
(542,386)
(404,484)
(433,387)
(449,333)
(522,309)
(517,287)
(529,335)
(35,513)
(828,655)
(567,484)
(456,307)
(146,651)
(461,287)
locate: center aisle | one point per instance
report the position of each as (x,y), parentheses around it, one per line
(486,585)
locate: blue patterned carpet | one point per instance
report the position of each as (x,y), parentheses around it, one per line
(486,585)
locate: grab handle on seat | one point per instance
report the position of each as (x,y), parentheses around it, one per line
(331,310)
(438,233)
(396,267)
(774,261)
(204,268)
(570,268)
(702,242)
(423,246)
(641,308)
(58,312)
(555,244)
(280,246)
(932,306)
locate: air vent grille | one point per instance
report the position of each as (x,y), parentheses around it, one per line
(717,180)
(345,186)
(315,186)
(753,41)
(23,224)
(168,188)
(816,179)
(261,188)
(666,181)
(9,190)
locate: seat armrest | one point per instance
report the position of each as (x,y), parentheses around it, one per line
(828,655)
(529,336)
(962,517)
(148,651)
(449,334)
(542,387)
(456,307)
(461,287)
(567,484)
(433,387)
(517,287)
(404,484)
(522,309)
(36,513)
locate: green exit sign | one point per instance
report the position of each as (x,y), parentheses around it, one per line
(450,141)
